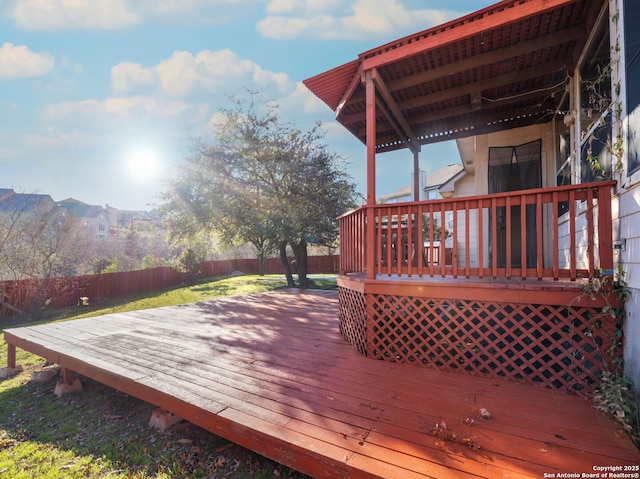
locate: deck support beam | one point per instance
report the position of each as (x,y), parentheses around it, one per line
(68,384)
(11,369)
(162,420)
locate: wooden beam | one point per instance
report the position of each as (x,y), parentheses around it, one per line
(370,232)
(355,81)
(501,80)
(397,118)
(437,97)
(371,114)
(461,117)
(494,21)
(470,128)
(416,183)
(450,93)
(495,56)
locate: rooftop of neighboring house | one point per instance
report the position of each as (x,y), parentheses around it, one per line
(432,180)
(80,209)
(12,201)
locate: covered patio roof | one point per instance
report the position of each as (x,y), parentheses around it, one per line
(502,67)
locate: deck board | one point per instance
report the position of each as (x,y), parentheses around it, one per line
(271,373)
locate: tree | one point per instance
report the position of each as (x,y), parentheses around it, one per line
(263,182)
(38,241)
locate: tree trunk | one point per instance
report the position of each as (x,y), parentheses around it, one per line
(261,263)
(300,252)
(285,264)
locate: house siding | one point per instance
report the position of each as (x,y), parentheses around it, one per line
(466,187)
(477,183)
(626,74)
(629,233)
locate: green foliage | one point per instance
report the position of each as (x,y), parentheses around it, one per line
(100,265)
(437,230)
(607,287)
(150,261)
(262,182)
(615,397)
(615,394)
(111,267)
(189,263)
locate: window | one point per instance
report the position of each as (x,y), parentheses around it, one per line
(595,158)
(595,153)
(632,62)
(563,172)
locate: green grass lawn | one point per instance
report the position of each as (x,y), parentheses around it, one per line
(101,433)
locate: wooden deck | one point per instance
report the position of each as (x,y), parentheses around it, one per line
(271,372)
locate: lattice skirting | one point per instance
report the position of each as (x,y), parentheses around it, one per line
(556,346)
(352,314)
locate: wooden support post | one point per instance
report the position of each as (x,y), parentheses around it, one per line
(11,355)
(370,238)
(416,176)
(162,420)
(68,384)
(12,369)
(417,247)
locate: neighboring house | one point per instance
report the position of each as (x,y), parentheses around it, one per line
(428,185)
(31,203)
(125,219)
(542,98)
(5,193)
(92,218)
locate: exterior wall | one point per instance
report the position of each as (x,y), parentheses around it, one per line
(627,216)
(99,225)
(465,186)
(583,241)
(477,183)
(629,233)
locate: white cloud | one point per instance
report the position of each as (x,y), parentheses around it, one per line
(211,72)
(125,76)
(289,6)
(52,15)
(74,14)
(52,138)
(325,20)
(172,7)
(301,97)
(20,62)
(120,108)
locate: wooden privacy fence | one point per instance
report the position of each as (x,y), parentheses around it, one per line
(19,296)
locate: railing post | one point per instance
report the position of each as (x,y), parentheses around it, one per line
(605,233)
(370,248)
(383,239)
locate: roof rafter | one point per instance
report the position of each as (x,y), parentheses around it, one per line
(501,67)
(394,113)
(503,54)
(443,37)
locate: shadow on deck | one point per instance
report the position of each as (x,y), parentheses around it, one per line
(271,372)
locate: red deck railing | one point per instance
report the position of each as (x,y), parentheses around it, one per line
(547,233)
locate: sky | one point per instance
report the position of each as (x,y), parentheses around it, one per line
(101,99)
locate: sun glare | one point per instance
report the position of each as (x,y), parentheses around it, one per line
(143,164)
